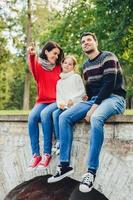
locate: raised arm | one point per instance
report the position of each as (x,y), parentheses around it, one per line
(32,61)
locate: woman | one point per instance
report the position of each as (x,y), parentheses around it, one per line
(45,70)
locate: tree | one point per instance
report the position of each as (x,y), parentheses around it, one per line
(115,29)
(69,26)
(4,67)
(112,23)
(27,75)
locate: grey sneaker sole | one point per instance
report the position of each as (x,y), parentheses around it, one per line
(53,180)
(40,167)
(31,169)
(83,188)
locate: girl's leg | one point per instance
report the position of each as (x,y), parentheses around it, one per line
(47,126)
(56,115)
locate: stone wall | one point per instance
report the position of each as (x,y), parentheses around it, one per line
(115,174)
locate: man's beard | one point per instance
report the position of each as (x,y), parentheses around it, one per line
(89,51)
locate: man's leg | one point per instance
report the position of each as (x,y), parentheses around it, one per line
(66,122)
(111,106)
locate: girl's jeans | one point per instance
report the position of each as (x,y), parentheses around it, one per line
(56,115)
(113,105)
(41,113)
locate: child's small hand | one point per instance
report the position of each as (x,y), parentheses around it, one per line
(62,106)
(85,98)
(70,103)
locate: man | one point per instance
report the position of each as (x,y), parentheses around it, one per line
(106,97)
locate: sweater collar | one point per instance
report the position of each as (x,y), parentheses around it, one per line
(91,60)
(66,75)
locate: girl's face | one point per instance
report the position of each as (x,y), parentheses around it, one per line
(52,55)
(67,65)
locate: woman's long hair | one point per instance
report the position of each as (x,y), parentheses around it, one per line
(49,46)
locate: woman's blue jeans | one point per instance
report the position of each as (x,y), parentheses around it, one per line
(41,113)
(113,105)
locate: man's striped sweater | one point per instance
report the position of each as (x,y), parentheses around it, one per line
(103,76)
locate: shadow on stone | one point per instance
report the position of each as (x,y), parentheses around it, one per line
(92,195)
(38,189)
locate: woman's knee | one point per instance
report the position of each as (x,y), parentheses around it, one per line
(33,117)
(45,114)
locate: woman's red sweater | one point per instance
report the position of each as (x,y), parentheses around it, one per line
(45,80)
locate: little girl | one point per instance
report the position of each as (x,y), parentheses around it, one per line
(70,90)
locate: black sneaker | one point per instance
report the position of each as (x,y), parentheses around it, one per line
(87,184)
(61,173)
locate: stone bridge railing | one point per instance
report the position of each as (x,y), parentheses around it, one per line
(115,174)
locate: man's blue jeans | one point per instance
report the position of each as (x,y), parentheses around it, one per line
(113,105)
(41,113)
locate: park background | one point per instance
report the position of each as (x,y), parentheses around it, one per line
(23,22)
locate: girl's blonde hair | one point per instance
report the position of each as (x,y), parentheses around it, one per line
(73,59)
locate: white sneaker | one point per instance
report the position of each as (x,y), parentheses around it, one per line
(56,148)
(87,183)
(57,152)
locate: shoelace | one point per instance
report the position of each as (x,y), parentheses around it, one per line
(44,158)
(58,171)
(88,178)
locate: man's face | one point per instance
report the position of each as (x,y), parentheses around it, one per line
(89,45)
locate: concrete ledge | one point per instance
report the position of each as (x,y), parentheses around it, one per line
(24,118)
(13,118)
(116,157)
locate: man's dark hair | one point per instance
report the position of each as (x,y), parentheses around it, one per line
(88,33)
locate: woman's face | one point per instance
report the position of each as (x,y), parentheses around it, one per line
(52,55)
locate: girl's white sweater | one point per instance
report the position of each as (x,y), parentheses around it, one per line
(70,86)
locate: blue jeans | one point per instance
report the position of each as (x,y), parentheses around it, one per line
(113,105)
(56,115)
(41,113)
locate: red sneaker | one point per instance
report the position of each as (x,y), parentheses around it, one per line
(45,161)
(34,162)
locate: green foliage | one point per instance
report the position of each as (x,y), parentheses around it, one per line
(112,23)
(110,20)
(16,84)
(69,26)
(4,67)
(115,31)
